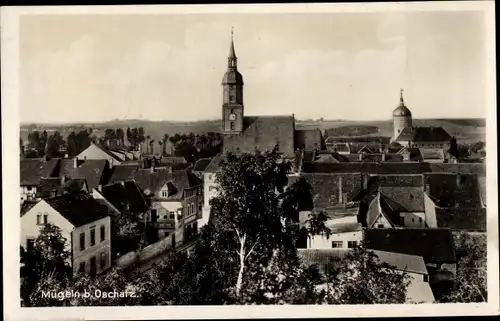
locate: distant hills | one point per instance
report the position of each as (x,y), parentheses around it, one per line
(469,129)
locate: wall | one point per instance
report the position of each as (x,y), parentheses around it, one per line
(209,192)
(382,220)
(430,211)
(28,192)
(165,223)
(147,253)
(98,196)
(92,251)
(29,228)
(399,123)
(94,152)
(413,219)
(321,242)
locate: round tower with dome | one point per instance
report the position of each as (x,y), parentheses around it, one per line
(401,118)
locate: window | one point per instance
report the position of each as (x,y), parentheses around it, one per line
(209,176)
(164,194)
(28,188)
(172,215)
(93,266)
(420,219)
(82,241)
(352,244)
(336,244)
(39,219)
(413,220)
(82,267)
(103,233)
(232,125)
(92,237)
(199,207)
(380,225)
(103,260)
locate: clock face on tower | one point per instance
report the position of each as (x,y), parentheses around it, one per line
(232,116)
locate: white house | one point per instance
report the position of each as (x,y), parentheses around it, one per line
(343,236)
(209,189)
(84,223)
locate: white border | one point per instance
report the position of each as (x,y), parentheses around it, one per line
(10,161)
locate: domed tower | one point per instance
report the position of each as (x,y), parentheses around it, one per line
(232,101)
(401,117)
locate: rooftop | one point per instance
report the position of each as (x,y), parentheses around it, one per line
(424,135)
(33,169)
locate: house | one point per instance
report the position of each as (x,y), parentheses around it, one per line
(95,171)
(97,151)
(343,236)
(54,186)
(85,224)
(433,155)
(411,154)
(209,188)
(176,200)
(123,172)
(418,289)
(124,196)
(32,171)
(368,167)
(435,245)
(424,137)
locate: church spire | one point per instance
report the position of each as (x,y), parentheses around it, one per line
(401,99)
(231,62)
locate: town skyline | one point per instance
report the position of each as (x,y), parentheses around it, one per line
(171,69)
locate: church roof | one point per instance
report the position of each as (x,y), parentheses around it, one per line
(263,133)
(424,134)
(401,110)
(232,77)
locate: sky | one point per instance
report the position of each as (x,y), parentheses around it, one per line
(94,68)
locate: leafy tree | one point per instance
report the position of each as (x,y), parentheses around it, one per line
(120,135)
(48,260)
(453,150)
(361,278)
(54,144)
(128,231)
(471,281)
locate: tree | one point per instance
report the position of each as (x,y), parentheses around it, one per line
(128,230)
(361,278)
(54,144)
(453,150)
(48,260)
(471,281)
(120,135)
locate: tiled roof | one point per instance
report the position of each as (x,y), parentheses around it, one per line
(382,205)
(366,167)
(402,262)
(308,139)
(432,153)
(415,155)
(107,151)
(122,173)
(214,164)
(326,187)
(404,180)
(473,220)
(424,135)
(152,182)
(33,169)
(94,171)
(263,133)
(26,206)
(126,195)
(323,259)
(201,164)
(453,190)
(433,244)
(75,185)
(171,160)
(419,292)
(78,208)
(465,168)
(48,185)
(345,227)
(326,158)
(408,199)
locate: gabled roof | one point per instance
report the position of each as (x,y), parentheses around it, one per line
(26,206)
(308,139)
(415,154)
(263,133)
(123,173)
(78,208)
(33,169)
(435,245)
(453,190)
(380,205)
(92,170)
(126,196)
(400,180)
(402,262)
(201,164)
(345,227)
(48,185)
(169,160)
(472,220)
(406,199)
(464,168)
(107,151)
(326,187)
(153,182)
(326,158)
(424,135)
(150,182)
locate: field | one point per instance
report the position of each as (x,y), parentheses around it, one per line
(466,130)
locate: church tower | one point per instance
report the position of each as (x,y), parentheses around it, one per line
(401,117)
(232,99)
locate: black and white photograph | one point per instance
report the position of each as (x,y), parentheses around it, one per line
(333,156)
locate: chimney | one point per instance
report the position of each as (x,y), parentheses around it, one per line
(152,169)
(459,179)
(341,194)
(99,187)
(75,162)
(383,157)
(360,157)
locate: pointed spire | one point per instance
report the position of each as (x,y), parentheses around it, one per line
(232,54)
(401,100)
